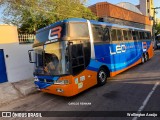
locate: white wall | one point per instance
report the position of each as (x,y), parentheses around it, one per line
(17,64)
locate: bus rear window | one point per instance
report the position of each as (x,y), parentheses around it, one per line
(78,30)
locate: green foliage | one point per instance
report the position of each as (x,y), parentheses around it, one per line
(157,27)
(30,15)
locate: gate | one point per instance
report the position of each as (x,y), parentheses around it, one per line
(3,75)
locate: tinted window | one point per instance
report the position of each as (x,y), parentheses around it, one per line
(135,35)
(106,36)
(114,34)
(145,35)
(100,33)
(119,35)
(141,35)
(130,35)
(78,30)
(125,34)
(149,35)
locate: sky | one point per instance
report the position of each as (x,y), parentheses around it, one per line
(91,2)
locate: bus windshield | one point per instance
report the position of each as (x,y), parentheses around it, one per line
(53,60)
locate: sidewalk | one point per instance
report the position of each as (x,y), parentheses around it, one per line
(13,91)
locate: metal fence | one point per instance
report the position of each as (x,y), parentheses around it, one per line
(26,38)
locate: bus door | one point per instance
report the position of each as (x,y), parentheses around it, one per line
(76,58)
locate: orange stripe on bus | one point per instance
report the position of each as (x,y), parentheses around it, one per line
(119,71)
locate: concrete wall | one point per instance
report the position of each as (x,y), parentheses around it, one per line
(16,55)
(8,34)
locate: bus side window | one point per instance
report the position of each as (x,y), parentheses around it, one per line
(119,35)
(140,35)
(97,33)
(145,35)
(100,33)
(149,35)
(114,34)
(106,36)
(135,35)
(130,35)
(125,34)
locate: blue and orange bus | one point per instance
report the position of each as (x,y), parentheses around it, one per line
(73,55)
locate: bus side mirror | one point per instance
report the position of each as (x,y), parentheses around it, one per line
(31,54)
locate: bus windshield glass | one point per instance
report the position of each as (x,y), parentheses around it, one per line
(53,60)
(78,30)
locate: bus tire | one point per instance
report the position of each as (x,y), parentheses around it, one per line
(146,57)
(101,76)
(142,59)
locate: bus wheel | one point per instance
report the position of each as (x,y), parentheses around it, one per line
(101,76)
(142,59)
(146,57)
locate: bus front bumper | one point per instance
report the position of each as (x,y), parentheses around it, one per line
(62,90)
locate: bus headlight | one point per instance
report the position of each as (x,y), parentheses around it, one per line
(36,79)
(61,82)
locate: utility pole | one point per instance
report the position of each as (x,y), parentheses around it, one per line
(153,28)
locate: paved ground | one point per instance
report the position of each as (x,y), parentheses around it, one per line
(133,90)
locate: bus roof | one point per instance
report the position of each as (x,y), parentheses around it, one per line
(92,21)
(116,25)
(63,21)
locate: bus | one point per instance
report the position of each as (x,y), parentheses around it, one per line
(75,54)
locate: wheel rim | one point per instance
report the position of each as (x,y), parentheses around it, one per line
(102,76)
(142,59)
(146,57)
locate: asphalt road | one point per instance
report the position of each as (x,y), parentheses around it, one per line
(137,89)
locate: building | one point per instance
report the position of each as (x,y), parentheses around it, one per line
(146,7)
(122,13)
(14,60)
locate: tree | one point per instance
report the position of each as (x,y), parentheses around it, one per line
(30,15)
(157,28)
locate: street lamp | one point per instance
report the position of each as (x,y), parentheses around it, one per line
(153,28)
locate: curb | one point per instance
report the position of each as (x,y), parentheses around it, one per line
(16,90)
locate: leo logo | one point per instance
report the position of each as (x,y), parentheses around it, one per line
(55,33)
(118,49)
